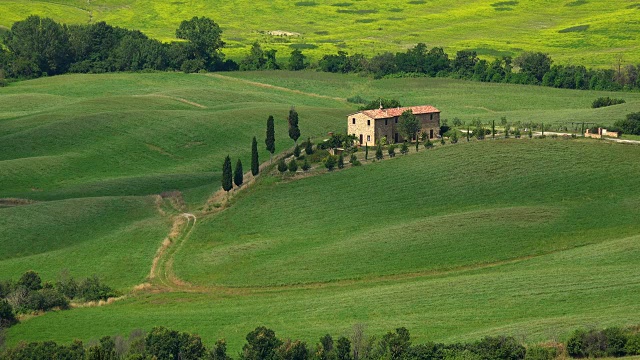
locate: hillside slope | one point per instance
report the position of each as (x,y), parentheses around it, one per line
(593,33)
(456,243)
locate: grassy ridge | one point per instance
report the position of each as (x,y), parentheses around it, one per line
(540,298)
(565,29)
(533,237)
(463,99)
(452,207)
(113,237)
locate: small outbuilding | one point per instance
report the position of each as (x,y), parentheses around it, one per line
(369,126)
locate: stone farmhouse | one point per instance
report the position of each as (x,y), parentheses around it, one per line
(369,126)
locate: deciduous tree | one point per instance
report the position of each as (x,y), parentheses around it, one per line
(409,125)
(205,41)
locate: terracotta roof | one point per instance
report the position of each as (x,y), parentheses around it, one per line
(393,112)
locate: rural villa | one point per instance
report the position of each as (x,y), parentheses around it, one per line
(369,126)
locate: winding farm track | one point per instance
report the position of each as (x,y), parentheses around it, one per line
(275,87)
(163,277)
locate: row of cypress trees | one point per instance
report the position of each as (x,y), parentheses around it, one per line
(237,177)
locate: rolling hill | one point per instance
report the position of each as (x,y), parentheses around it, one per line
(532,238)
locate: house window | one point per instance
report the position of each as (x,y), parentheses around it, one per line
(431,118)
(396,119)
(368,137)
(385,122)
(368,122)
(353,121)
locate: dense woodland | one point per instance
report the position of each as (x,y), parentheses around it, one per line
(38,47)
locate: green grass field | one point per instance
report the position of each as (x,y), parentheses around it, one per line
(532,238)
(592,33)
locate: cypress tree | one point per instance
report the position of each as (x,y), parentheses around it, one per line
(454,137)
(530,132)
(379,152)
(404,149)
(468,133)
(294,130)
(270,141)
(366,151)
(506,131)
(293,165)
(296,151)
(305,165)
(227,182)
(542,129)
(238,176)
(255,163)
(341,161)
(493,129)
(308,147)
(282,166)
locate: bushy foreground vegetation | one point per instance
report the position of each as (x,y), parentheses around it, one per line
(29,294)
(263,344)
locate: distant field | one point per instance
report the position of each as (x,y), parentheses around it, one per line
(593,33)
(532,238)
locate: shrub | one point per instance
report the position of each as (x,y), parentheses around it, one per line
(296,151)
(305,165)
(282,166)
(404,149)
(47,299)
(541,353)
(308,147)
(354,160)
(261,344)
(500,347)
(392,150)
(631,125)
(317,156)
(606,101)
(162,343)
(330,162)
(7,316)
(30,280)
(616,341)
(67,286)
(633,344)
(293,166)
(91,289)
(428,144)
(341,161)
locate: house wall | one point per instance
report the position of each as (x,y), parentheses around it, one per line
(430,122)
(378,129)
(361,128)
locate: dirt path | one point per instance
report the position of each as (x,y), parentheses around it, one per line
(162,273)
(275,87)
(175,98)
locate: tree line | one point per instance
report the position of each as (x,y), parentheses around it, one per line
(263,344)
(38,46)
